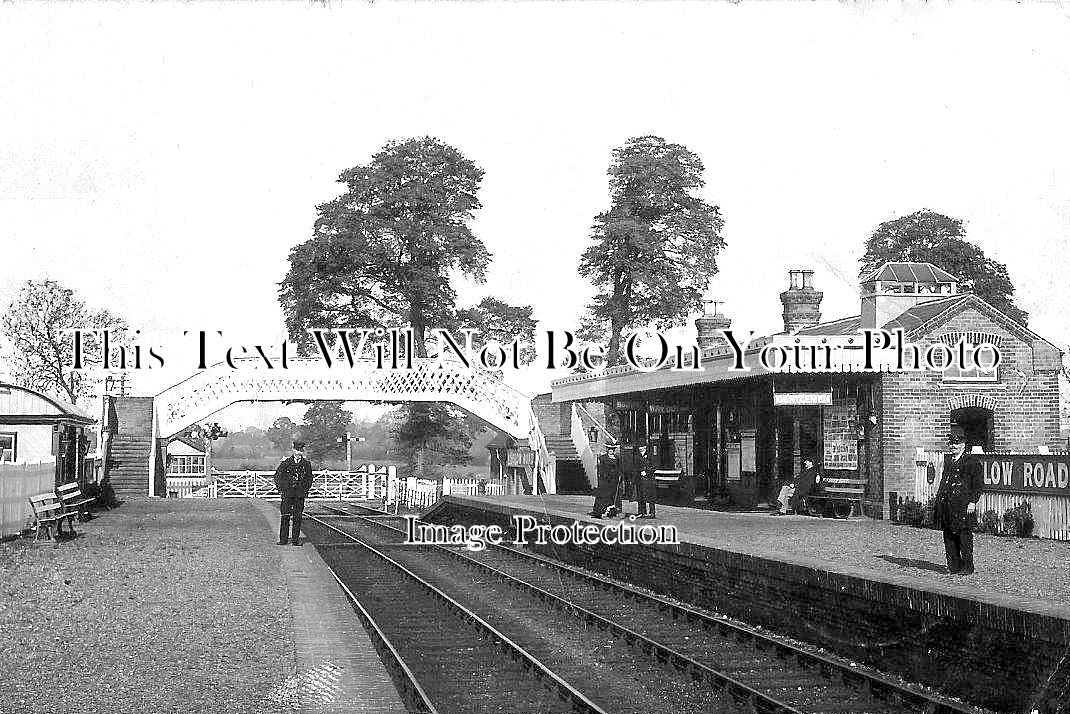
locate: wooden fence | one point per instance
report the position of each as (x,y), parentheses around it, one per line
(420,494)
(189,487)
(367,482)
(17,483)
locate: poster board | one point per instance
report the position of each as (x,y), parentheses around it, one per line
(734,462)
(748,451)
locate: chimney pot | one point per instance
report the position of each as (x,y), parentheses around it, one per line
(710,325)
(802,304)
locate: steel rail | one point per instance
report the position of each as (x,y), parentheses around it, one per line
(418,701)
(880,687)
(728,685)
(542,673)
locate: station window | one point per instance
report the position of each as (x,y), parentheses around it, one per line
(186,465)
(8,448)
(972,372)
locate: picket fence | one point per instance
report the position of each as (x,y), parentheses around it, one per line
(17,483)
(367,482)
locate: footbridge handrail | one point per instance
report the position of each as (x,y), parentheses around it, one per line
(431,379)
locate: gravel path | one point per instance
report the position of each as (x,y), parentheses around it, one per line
(157,606)
(1029,568)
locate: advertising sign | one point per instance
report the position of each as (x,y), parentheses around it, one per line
(1026,473)
(523,457)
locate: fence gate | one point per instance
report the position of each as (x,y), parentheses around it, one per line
(366,482)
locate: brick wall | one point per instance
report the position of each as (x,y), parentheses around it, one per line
(134,415)
(553,418)
(917,405)
(988,653)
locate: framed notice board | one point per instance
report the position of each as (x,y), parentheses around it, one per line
(734,472)
(748,451)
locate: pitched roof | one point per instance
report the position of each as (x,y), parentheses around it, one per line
(46,407)
(923,312)
(843,326)
(920,315)
(911,273)
(501,441)
(189,441)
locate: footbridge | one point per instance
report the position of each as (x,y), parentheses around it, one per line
(478,392)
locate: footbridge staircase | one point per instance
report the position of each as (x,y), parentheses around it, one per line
(208,391)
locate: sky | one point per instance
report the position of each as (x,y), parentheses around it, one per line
(162,159)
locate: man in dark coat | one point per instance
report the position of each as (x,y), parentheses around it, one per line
(293,479)
(955,505)
(646,487)
(809,481)
(607,498)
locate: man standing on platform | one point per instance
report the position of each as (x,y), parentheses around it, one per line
(607,497)
(646,489)
(293,479)
(955,505)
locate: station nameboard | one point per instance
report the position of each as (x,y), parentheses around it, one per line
(666,409)
(1026,473)
(522,457)
(802,399)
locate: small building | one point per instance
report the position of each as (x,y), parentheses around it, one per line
(734,434)
(36,428)
(508,462)
(186,458)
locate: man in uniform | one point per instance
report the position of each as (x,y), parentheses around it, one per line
(607,499)
(293,479)
(646,488)
(955,505)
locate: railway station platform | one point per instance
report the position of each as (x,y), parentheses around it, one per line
(338,668)
(872,591)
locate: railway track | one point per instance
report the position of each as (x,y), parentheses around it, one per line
(750,670)
(444,657)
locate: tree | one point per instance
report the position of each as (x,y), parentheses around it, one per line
(930,237)
(281,433)
(42,353)
(654,251)
(325,423)
(498,321)
(426,434)
(382,253)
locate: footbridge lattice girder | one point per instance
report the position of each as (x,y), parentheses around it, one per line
(219,386)
(430,380)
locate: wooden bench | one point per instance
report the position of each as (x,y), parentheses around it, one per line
(837,497)
(49,512)
(72,497)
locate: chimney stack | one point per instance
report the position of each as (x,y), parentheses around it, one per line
(802,304)
(709,327)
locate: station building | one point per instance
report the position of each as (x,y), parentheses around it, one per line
(732,434)
(37,428)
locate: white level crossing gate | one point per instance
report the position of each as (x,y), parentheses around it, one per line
(365,483)
(476,391)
